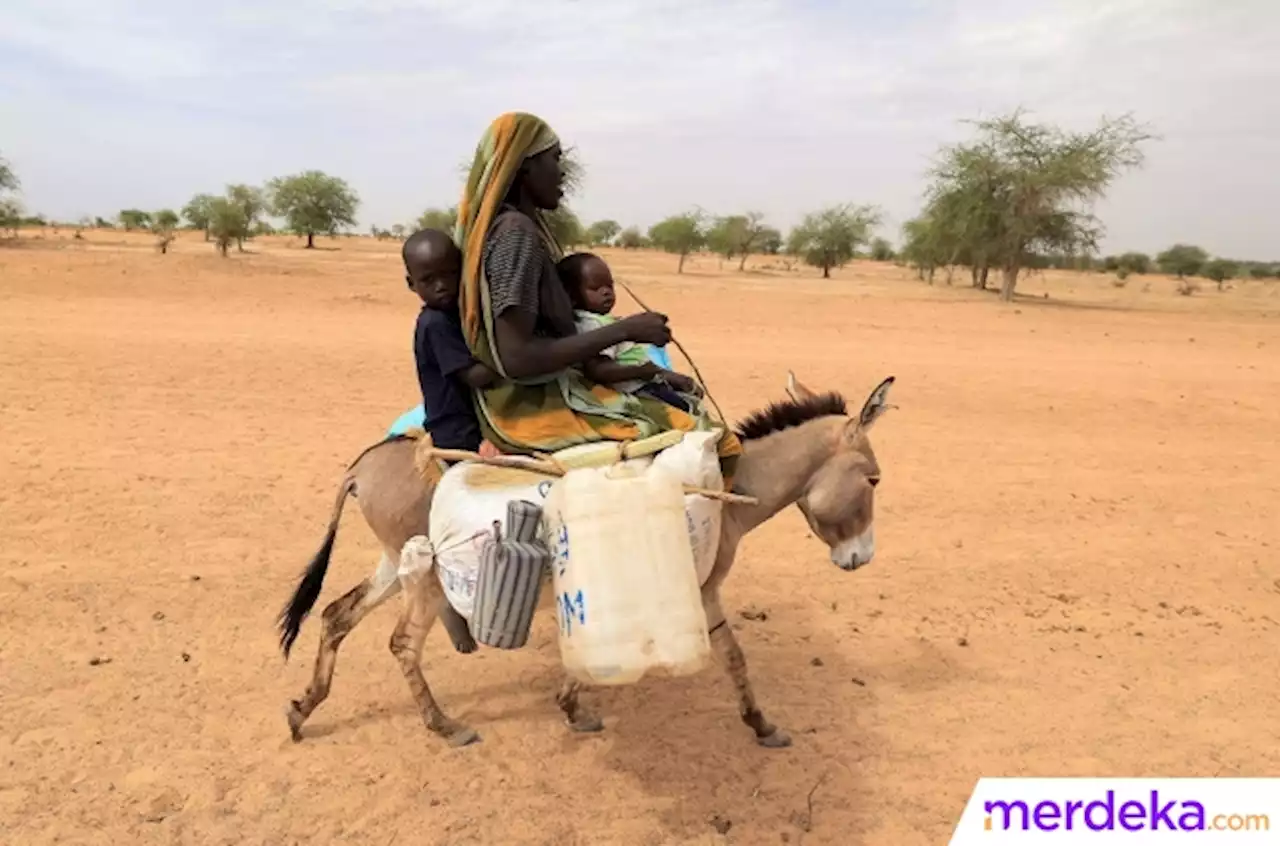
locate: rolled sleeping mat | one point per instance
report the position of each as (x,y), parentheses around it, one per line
(510,579)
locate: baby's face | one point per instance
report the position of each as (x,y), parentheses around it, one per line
(597,287)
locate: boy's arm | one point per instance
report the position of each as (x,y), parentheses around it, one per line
(477,375)
(454,359)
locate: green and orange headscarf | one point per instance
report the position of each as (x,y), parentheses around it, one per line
(507,143)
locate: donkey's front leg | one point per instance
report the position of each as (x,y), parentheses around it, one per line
(730,653)
(577,717)
(421,607)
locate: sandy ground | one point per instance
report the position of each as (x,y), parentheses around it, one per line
(1077,569)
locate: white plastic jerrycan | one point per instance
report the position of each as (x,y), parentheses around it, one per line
(626,589)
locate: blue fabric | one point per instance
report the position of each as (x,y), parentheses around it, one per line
(659,356)
(414,417)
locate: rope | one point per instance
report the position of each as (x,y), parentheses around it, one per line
(696,372)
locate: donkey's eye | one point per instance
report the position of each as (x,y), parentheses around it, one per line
(873,480)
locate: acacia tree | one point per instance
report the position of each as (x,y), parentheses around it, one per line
(10,208)
(565,227)
(680,234)
(226,223)
(1182,260)
(632,238)
(196,212)
(312,202)
(737,235)
(831,237)
(1020,189)
(163,223)
(132,219)
(602,232)
(882,250)
(442,219)
(252,204)
(1220,270)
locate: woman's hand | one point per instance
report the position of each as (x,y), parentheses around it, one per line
(647,328)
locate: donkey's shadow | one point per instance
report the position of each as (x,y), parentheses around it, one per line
(682,741)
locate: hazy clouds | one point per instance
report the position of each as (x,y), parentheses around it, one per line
(730,104)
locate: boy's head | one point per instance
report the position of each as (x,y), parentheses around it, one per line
(588,281)
(433,268)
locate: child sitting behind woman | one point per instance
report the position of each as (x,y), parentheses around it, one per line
(626,367)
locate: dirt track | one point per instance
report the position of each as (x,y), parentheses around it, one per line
(1077,568)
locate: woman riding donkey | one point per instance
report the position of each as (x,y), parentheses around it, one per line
(519,321)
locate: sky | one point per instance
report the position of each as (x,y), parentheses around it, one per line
(780,106)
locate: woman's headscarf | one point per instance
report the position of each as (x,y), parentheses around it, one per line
(509,140)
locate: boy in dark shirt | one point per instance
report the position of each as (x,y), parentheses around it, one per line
(446,371)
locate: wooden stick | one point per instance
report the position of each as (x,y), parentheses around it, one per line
(550,468)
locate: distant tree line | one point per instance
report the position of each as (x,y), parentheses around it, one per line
(1017,196)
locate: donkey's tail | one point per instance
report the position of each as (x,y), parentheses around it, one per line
(308,590)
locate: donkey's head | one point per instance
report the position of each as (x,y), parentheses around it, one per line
(839,501)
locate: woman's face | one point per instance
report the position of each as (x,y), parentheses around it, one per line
(544,180)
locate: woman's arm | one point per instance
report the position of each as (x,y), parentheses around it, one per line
(525,355)
(606,371)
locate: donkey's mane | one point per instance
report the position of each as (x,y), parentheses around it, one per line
(790,413)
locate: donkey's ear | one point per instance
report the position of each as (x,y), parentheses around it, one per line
(797,391)
(875,405)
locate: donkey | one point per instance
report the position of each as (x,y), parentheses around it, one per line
(806,451)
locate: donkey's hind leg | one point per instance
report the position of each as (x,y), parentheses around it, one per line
(578,718)
(421,607)
(339,618)
(730,654)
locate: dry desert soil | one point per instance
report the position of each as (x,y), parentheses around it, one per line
(1077,569)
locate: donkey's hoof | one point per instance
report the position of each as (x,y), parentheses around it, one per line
(461,736)
(586,724)
(777,740)
(294,714)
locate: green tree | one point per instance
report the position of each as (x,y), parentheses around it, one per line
(1134,262)
(1020,189)
(227,223)
(10,208)
(442,219)
(830,238)
(165,219)
(632,238)
(196,212)
(8,179)
(1261,270)
(602,232)
(132,219)
(313,203)
(680,234)
(397,231)
(566,228)
(882,250)
(163,223)
(737,235)
(252,203)
(1182,260)
(771,242)
(1220,270)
